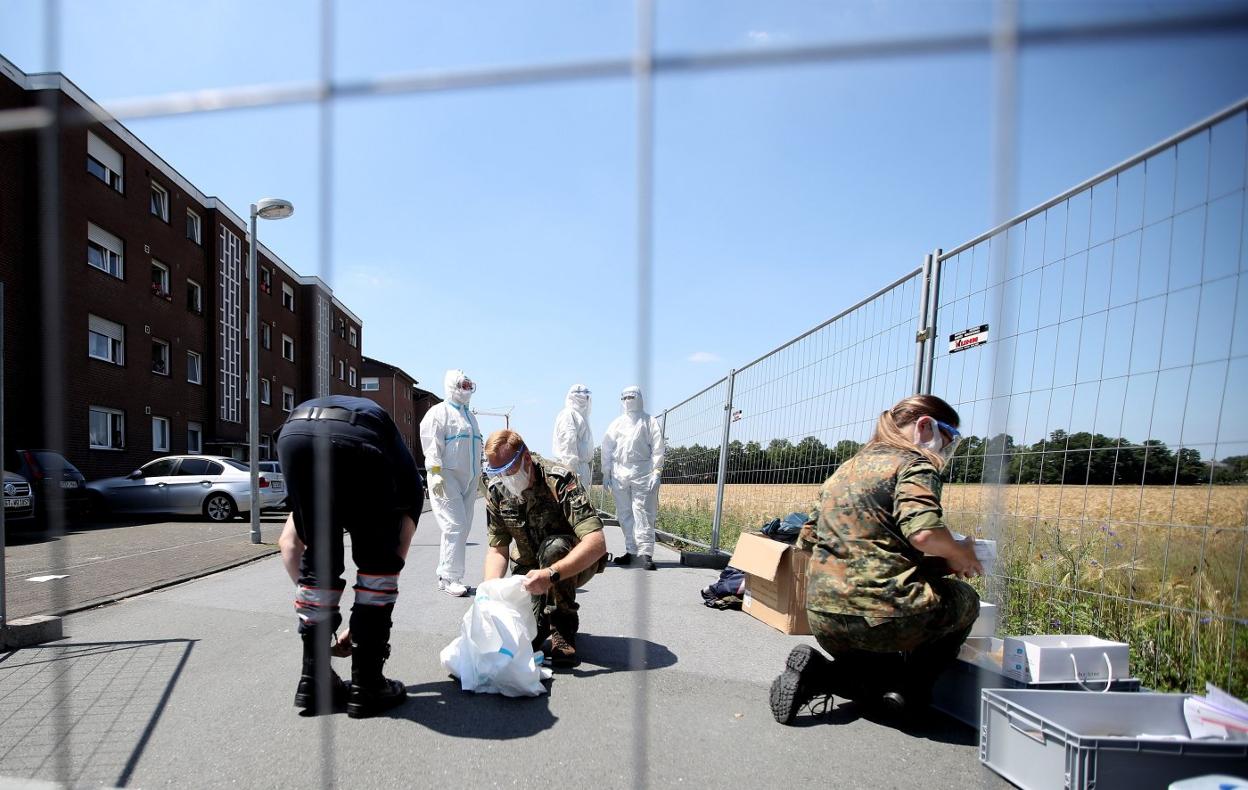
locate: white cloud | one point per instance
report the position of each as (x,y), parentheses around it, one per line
(700,357)
(759,37)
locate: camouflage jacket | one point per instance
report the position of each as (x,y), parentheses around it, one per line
(862,562)
(555,504)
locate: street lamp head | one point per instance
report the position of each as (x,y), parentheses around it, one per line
(274,208)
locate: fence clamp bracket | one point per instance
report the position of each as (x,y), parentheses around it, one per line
(923,334)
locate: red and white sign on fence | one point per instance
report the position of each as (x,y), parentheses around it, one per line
(968,338)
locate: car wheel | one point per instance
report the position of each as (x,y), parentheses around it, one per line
(219,507)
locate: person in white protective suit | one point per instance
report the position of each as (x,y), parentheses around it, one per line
(452,443)
(573,442)
(632,464)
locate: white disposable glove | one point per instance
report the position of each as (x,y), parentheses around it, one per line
(607,482)
(437,486)
(655,476)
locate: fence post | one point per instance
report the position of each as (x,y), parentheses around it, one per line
(4,611)
(921,337)
(933,308)
(723,464)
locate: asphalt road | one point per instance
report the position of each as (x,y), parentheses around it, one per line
(192,686)
(100,561)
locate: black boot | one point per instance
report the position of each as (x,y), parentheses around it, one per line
(647,562)
(807,675)
(623,559)
(371,691)
(316,653)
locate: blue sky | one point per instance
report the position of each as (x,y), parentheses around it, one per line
(494,230)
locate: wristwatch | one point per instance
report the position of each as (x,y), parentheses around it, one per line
(554,575)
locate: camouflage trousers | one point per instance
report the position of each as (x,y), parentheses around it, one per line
(557,608)
(921,645)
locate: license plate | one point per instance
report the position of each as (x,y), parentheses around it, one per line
(17,501)
(277,486)
(69,484)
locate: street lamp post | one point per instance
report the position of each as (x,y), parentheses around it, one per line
(265,208)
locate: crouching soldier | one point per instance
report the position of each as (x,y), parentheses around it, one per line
(346,468)
(540,519)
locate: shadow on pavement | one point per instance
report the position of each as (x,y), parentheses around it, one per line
(82,714)
(930,724)
(615,654)
(443,707)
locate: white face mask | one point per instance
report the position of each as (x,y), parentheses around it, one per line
(937,443)
(517,483)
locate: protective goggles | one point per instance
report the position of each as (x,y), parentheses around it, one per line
(954,436)
(629,396)
(582,391)
(511,467)
(467,385)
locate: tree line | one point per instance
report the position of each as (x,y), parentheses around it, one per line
(1080,458)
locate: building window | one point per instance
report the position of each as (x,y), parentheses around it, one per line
(355,338)
(266,335)
(288,399)
(342,370)
(288,297)
(160,434)
(160,201)
(265,393)
(288,348)
(104,162)
(194,368)
(194,297)
(194,438)
(108,428)
(194,230)
(160,357)
(342,328)
(266,447)
(370,384)
(266,280)
(106,340)
(104,251)
(160,279)
(351,376)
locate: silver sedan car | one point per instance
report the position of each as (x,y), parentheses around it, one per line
(215,487)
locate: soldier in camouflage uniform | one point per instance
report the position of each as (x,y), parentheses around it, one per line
(540,519)
(882,609)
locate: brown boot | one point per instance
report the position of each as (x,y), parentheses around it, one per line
(563,650)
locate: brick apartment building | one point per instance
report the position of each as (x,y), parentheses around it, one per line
(153,300)
(398,394)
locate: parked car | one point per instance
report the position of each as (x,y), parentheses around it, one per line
(216,487)
(48,472)
(19,500)
(277,481)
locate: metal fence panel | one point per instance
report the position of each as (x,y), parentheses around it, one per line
(796,413)
(1106,437)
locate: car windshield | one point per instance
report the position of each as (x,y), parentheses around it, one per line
(236,464)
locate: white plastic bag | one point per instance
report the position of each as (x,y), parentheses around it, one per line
(493,653)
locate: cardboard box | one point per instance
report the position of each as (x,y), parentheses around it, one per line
(1047,659)
(775,582)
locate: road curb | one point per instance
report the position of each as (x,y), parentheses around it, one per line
(95,603)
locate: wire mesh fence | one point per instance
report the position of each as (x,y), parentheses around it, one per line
(1109,448)
(1106,443)
(784,422)
(1095,349)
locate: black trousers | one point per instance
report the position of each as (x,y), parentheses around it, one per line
(338,480)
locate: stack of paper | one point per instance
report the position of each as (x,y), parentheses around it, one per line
(1216,715)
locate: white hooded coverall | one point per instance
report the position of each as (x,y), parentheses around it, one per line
(451,440)
(632,460)
(573,442)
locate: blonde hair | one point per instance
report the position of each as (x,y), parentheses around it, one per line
(888,429)
(499,439)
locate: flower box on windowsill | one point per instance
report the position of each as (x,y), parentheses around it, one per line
(161,292)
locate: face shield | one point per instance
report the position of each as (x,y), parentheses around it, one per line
(463,389)
(630,400)
(512,474)
(945,438)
